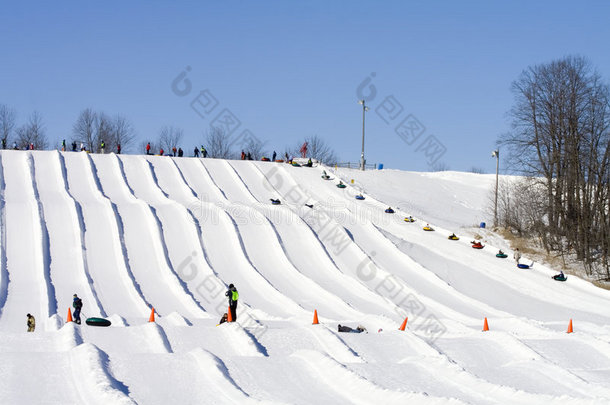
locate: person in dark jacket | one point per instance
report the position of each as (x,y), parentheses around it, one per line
(233,296)
(77,303)
(224,318)
(347,329)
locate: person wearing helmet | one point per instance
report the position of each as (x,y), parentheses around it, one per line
(233,296)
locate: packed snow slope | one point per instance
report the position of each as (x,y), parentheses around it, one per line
(129,233)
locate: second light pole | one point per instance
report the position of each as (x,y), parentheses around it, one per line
(496,154)
(364,110)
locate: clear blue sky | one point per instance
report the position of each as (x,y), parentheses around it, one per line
(287,70)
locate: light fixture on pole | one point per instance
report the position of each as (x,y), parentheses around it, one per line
(496,154)
(364,110)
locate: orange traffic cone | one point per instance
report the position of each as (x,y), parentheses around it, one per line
(570,330)
(229,316)
(315,317)
(404,324)
(152,315)
(69,316)
(485,326)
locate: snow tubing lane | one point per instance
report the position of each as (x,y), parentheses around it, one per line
(98,322)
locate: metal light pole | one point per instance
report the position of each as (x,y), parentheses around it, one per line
(496,154)
(364,110)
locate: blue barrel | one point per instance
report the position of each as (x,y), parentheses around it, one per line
(380,166)
(482,225)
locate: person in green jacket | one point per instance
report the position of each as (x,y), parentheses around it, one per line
(233,296)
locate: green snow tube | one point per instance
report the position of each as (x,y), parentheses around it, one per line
(502,255)
(97,322)
(559,278)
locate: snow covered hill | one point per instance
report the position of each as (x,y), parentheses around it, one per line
(129,233)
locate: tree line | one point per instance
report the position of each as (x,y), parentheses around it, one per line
(560,141)
(92,129)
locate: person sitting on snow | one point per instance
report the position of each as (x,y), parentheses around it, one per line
(224,319)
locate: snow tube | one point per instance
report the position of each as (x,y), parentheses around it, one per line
(275,202)
(453,238)
(327,177)
(295,164)
(478,246)
(559,278)
(523,266)
(359,197)
(341,185)
(427,228)
(409,220)
(97,322)
(279,161)
(389,211)
(265,159)
(502,255)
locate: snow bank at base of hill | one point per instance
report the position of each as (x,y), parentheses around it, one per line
(95,382)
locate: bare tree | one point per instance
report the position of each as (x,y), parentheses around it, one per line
(104,133)
(440,166)
(560,132)
(84,129)
(123,133)
(32,133)
(7,123)
(169,138)
(217,144)
(317,148)
(254,146)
